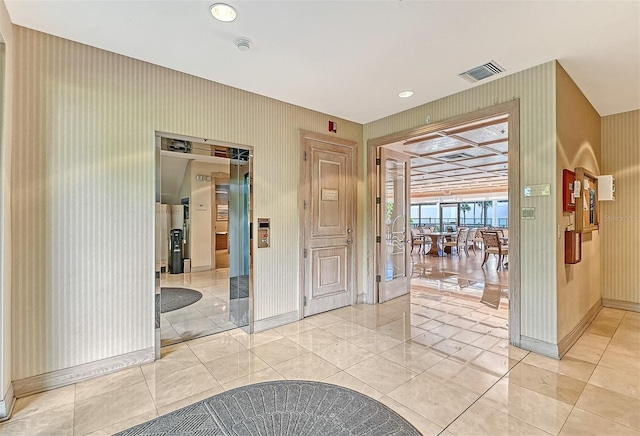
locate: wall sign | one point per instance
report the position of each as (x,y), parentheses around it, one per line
(537,190)
(528,213)
(329,195)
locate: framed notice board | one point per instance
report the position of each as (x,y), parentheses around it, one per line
(586,191)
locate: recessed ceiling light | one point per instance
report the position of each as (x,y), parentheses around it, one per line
(405,94)
(223,12)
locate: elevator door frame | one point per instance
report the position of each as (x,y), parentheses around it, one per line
(156,301)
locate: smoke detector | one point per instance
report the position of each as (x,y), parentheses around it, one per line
(243,44)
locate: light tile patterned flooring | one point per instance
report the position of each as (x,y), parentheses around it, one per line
(207,316)
(441,359)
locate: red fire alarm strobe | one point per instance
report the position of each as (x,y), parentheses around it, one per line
(333,126)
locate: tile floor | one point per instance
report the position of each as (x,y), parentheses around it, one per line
(440,358)
(207,316)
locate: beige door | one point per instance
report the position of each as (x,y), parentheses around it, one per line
(328,191)
(394,273)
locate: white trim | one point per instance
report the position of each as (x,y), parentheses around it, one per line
(538,346)
(275,321)
(6,405)
(510,108)
(200,268)
(567,342)
(622,305)
(75,374)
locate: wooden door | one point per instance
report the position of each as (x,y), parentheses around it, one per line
(328,189)
(394,257)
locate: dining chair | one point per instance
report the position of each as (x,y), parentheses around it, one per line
(470,243)
(492,246)
(451,228)
(416,239)
(425,230)
(459,242)
(477,240)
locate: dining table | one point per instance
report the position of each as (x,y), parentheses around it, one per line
(436,238)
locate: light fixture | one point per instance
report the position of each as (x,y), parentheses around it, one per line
(223,12)
(405,94)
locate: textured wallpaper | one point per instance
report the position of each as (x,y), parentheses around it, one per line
(620,219)
(535,88)
(83,203)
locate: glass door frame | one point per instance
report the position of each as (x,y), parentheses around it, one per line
(448,205)
(394,226)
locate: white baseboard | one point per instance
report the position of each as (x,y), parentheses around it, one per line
(560,349)
(538,346)
(6,404)
(75,374)
(619,304)
(275,321)
(567,342)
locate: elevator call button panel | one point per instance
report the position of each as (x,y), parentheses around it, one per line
(264,233)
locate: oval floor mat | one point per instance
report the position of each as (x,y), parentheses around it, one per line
(177,298)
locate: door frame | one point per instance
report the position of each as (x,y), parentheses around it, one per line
(156,302)
(510,108)
(302,224)
(441,222)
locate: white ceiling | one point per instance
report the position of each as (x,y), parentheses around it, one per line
(351,58)
(459,160)
(174,167)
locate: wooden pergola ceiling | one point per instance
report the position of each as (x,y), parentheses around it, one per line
(460,160)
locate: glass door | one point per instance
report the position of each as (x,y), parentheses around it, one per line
(239,238)
(448,217)
(394,255)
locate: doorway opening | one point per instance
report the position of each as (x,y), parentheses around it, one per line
(463,173)
(203,238)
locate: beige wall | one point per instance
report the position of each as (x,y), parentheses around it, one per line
(535,88)
(84,171)
(620,222)
(6,141)
(578,145)
(83,168)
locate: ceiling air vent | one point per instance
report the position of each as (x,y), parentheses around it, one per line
(482,72)
(456,156)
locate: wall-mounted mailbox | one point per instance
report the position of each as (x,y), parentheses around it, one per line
(572,246)
(264,233)
(606,188)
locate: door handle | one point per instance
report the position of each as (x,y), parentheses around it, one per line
(349,240)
